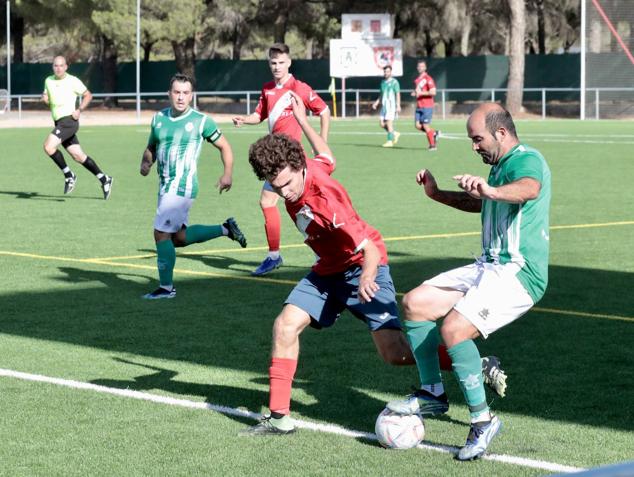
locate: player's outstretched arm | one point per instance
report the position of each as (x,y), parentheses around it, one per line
(367,284)
(458,200)
(147,160)
(45,98)
(253,118)
(226,156)
(324,124)
(299,111)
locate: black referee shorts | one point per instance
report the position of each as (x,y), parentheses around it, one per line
(66,130)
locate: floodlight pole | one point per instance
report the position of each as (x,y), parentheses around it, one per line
(582,59)
(9,52)
(138,60)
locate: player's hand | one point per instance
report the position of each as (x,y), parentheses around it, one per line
(428,181)
(238,121)
(224,183)
(367,289)
(299,109)
(75,114)
(475,186)
(375,105)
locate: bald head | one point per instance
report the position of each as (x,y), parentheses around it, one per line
(492,132)
(59,66)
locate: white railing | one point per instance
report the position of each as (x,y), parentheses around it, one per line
(249,97)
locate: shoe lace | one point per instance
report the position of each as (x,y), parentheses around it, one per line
(475,432)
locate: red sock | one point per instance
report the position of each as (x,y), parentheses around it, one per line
(281,375)
(445,360)
(430,137)
(272,224)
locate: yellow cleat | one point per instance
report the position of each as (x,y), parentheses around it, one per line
(396,136)
(388,144)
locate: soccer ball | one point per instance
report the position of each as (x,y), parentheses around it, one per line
(395,431)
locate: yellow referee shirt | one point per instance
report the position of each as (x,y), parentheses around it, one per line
(62,94)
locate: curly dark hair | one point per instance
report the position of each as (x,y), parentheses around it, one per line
(272,153)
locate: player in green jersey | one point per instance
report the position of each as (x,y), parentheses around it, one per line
(504,283)
(60,94)
(390,101)
(175,142)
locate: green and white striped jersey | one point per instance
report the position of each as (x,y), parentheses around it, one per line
(389,89)
(518,233)
(178,141)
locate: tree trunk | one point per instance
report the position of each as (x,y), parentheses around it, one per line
(17,34)
(147,50)
(516,56)
(541,28)
(185,56)
(465,33)
(109,70)
(280,24)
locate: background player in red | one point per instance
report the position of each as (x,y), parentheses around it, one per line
(351,270)
(424,92)
(275,106)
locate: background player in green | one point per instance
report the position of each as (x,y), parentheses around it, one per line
(504,283)
(60,94)
(175,141)
(390,100)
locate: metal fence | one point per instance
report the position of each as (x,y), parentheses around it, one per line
(541,102)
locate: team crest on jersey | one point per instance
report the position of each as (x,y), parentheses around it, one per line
(189,126)
(383,56)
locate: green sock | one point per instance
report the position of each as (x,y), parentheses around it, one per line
(423,338)
(468,369)
(202,233)
(390,136)
(165,260)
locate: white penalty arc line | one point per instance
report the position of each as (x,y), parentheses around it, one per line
(327,428)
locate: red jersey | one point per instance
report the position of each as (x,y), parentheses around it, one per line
(330,225)
(424,83)
(275,104)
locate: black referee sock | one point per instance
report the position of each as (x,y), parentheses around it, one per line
(94,168)
(58,159)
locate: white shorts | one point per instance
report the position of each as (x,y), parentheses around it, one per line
(493,296)
(172,213)
(388,114)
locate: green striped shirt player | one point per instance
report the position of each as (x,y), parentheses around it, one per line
(176,138)
(518,233)
(390,100)
(502,285)
(178,142)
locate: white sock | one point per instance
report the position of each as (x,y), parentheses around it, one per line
(168,287)
(274,255)
(483,417)
(225,230)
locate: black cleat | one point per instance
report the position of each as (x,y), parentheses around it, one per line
(107,187)
(69,183)
(234,232)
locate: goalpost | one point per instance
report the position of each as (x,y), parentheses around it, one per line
(607,59)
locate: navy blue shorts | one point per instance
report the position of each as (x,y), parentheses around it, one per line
(324,297)
(423,115)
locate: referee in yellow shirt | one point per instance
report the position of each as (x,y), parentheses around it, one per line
(60,94)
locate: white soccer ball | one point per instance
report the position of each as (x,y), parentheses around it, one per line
(395,431)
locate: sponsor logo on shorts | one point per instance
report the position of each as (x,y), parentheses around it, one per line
(168,222)
(484,313)
(384,316)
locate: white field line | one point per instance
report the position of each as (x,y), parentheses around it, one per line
(327,428)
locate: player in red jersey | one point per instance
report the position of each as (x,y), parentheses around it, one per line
(424,92)
(275,106)
(351,271)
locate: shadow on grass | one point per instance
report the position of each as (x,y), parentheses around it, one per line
(52,198)
(561,367)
